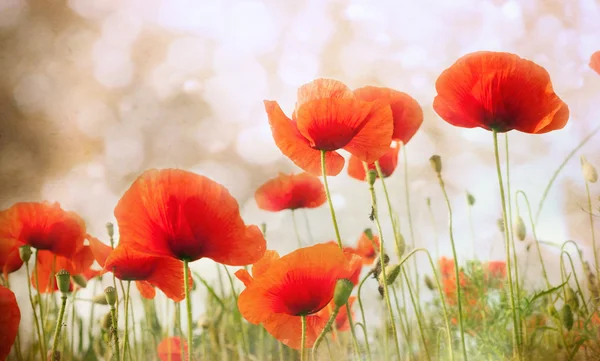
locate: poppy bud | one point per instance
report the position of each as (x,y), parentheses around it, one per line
(369,233)
(470,199)
(572,299)
(436,163)
(100,299)
(371,176)
(343,289)
(392,271)
(203,322)
(111,295)
(519,228)
(401,245)
(589,172)
(63,280)
(501,224)
(25,253)
(110,229)
(79,280)
(429,283)
(54,356)
(566,316)
(263,228)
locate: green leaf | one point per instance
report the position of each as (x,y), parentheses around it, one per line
(547,292)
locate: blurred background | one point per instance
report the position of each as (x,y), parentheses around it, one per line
(94,92)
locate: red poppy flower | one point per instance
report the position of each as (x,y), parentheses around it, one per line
(387,162)
(258,269)
(446,267)
(407,113)
(497,269)
(501,91)
(291,191)
(130,264)
(10,259)
(10,317)
(300,283)
(595,62)
(329,117)
(169,349)
(43,226)
(364,248)
(187,216)
(48,264)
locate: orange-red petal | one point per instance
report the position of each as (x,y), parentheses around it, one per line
(146,289)
(244,276)
(184,215)
(43,226)
(10,317)
(323,89)
(365,249)
(595,62)
(296,147)
(291,191)
(100,250)
(388,163)
(375,136)
(48,264)
(263,265)
(288,329)
(10,260)
(501,91)
(169,349)
(407,113)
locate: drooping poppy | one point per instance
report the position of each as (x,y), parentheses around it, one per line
(298,284)
(387,163)
(186,216)
(595,62)
(130,264)
(43,226)
(365,248)
(291,191)
(10,259)
(10,317)
(169,349)
(48,264)
(499,91)
(328,117)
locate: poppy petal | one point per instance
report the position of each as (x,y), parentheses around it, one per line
(184,215)
(244,276)
(10,260)
(595,62)
(296,147)
(407,113)
(323,89)
(291,191)
(10,317)
(388,163)
(169,349)
(263,265)
(288,329)
(47,266)
(146,289)
(100,250)
(374,138)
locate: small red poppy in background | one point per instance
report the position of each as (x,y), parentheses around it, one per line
(43,226)
(169,349)
(499,91)
(595,62)
(49,263)
(186,216)
(388,163)
(291,191)
(367,247)
(148,271)
(497,269)
(10,317)
(328,117)
(298,284)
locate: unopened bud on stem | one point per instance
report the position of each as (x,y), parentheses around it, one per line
(63,280)
(589,172)
(391,271)
(111,295)
(436,163)
(25,253)
(470,199)
(343,289)
(519,228)
(110,229)
(371,176)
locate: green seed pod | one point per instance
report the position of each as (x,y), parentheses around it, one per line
(111,295)
(79,280)
(391,271)
(401,245)
(25,253)
(572,299)
(566,317)
(263,228)
(429,283)
(343,289)
(519,228)
(589,172)
(110,229)
(100,299)
(371,176)
(63,280)
(436,163)
(470,199)
(369,233)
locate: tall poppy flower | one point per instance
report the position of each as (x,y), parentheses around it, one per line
(10,317)
(186,216)
(499,91)
(388,163)
(148,271)
(290,191)
(43,226)
(169,349)
(301,283)
(49,263)
(595,62)
(328,117)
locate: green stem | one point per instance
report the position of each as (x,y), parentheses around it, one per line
(403,320)
(280,351)
(312,239)
(37,286)
(589,199)
(135,343)
(237,314)
(59,323)
(331,210)
(362,313)
(435,233)
(409,214)
(73,316)
(115,330)
(417,313)
(352,331)
(35,316)
(321,336)
(516,344)
(188,303)
(456,269)
(562,266)
(470,211)
(126,335)
(303,340)
(296,229)
(386,293)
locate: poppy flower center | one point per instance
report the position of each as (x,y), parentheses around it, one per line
(302,292)
(330,137)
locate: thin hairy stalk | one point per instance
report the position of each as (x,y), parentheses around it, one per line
(280,351)
(559,169)
(308,230)
(34,309)
(321,336)
(472,229)
(435,233)
(73,316)
(237,315)
(188,303)
(417,314)
(456,269)
(533,231)
(296,229)
(562,266)
(591,215)
(135,343)
(115,331)
(352,331)
(328,194)
(59,322)
(303,339)
(403,321)
(126,335)
(409,214)
(386,293)
(42,318)
(516,333)
(362,312)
